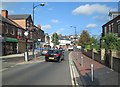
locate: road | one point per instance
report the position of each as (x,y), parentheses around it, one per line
(41,73)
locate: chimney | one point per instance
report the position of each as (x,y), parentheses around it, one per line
(4,13)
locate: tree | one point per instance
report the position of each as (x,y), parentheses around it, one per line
(118,45)
(55,39)
(84,39)
(96,42)
(110,41)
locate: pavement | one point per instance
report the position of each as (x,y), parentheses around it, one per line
(13,60)
(14,55)
(102,75)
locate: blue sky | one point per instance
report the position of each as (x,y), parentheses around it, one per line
(59,16)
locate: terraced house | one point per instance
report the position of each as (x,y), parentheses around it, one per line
(8,32)
(113,25)
(12,29)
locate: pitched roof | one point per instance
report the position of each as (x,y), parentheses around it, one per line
(19,16)
(111,20)
(9,21)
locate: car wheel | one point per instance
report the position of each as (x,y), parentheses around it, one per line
(58,60)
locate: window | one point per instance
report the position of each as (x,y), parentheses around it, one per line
(12,30)
(19,32)
(105,30)
(109,28)
(6,28)
(30,35)
(119,28)
(112,27)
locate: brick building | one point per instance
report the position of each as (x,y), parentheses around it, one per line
(12,28)
(113,26)
(8,33)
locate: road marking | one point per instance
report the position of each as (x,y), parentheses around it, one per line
(71,71)
(3,69)
(29,62)
(12,66)
(74,73)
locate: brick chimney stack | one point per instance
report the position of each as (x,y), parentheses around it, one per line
(4,13)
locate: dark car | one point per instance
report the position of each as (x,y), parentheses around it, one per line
(55,55)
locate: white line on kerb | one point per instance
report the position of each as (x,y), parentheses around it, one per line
(72,72)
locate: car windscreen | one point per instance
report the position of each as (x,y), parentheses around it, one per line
(56,51)
(50,51)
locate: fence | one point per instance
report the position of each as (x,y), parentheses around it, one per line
(107,59)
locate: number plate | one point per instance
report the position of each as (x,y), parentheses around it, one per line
(51,57)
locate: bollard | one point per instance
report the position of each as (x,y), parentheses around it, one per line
(35,54)
(81,61)
(92,72)
(26,56)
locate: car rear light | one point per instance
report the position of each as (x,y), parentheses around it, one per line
(46,55)
(57,55)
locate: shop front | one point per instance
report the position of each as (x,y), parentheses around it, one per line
(9,46)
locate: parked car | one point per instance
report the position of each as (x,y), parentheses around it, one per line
(70,49)
(55,55)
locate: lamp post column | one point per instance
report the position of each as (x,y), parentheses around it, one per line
(33,28)
(34,6)
(26,53)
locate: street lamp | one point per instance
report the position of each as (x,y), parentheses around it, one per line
(34,6)
(42,4)
(75,33)
(92,51)
(74,28)
(26,53)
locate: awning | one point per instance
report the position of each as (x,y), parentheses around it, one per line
(11,39)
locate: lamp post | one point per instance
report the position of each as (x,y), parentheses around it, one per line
(26,53)
(34,6)
(75,33)
(92,51)
(74,28)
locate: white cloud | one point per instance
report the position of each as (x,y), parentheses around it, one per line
(90,9)
(54,21)
(91,26)
(46,26)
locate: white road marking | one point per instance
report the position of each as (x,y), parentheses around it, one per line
(3,69)
(12,66)
(74,73)
(71,71)
(29,62)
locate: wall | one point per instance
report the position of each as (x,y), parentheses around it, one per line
(22,23)
(88,53)
(97,57)
(116,64)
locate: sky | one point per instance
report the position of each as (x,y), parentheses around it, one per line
(59,16)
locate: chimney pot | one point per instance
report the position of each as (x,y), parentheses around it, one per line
(4,13)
